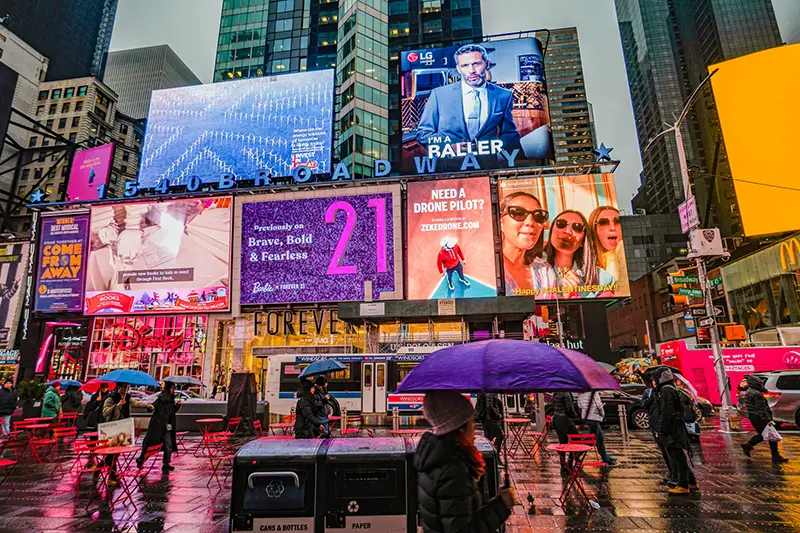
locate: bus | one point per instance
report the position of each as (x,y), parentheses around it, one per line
(367,385)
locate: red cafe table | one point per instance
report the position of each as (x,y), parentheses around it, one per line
(578,452)
(115,452)
(205,425)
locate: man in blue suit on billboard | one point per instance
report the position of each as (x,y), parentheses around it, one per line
(472,109)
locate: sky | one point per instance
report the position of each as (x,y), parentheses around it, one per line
(191,27)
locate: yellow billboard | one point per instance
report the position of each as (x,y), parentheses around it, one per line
(757,102)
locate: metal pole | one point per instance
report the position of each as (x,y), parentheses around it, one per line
(649,337)
(687,190)
(719,363)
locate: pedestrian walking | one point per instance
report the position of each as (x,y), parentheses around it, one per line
(760,415)
(51,406)
(451,487)
(8,404)
(307,424)
(93,412)
(564,416)
(651,403)
(321,399)
(673,430)
(161,429)
(71,401)
(489,412)
(593,413)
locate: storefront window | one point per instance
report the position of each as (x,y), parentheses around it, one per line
(159,345)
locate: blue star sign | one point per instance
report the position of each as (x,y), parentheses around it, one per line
(37,196)
(603,153)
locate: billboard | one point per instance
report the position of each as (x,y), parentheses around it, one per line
(268,125)
(90,170)
(450,240)
(329,249)
(761,141)
(561,237)
(475,106)
(61,264)
(159,257)
(13,262)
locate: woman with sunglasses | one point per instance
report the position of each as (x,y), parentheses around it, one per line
(570,261)
(606,230)
(522,221)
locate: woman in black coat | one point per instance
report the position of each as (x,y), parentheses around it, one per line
(564,414)
(760,415)
(307,424)
(161,429)
(451,488)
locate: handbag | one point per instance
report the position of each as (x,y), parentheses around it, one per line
(771,434)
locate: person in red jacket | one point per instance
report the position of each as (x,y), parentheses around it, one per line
(451,259)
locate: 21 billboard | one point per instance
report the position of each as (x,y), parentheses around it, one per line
(324,249)
(477,106)
(246,128)
(159,257)
(90,170)
(562,238)
(450,240)
(62,263)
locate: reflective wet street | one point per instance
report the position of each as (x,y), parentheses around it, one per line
(737,494)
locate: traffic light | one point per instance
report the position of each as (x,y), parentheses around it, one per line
(674,289)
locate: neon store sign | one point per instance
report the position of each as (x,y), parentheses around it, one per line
(137,339)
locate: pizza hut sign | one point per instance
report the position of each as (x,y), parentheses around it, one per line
(137,339)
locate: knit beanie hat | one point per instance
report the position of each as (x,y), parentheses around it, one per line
(446,411)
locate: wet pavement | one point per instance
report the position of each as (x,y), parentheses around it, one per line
(737,494)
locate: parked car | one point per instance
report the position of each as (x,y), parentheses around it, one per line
(783,395)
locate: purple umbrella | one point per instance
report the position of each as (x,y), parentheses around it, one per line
(507,366)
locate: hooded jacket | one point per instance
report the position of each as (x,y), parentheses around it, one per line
(306,423)
(671,428)
(71,402)
(757,405)
(449,258)
(51,405)
(450,499)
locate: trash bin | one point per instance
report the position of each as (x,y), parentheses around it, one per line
(367,485)
(275,485)
(492,475)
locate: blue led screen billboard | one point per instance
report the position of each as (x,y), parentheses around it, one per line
(262,126)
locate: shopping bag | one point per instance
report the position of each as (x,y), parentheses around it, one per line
(771,434)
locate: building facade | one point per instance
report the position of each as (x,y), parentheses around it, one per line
(134,74)
(74,36)
(650,240)
(570,112)
(667,47)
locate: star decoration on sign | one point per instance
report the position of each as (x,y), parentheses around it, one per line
(37,196)
(603,153)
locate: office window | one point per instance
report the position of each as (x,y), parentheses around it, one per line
(26,173)
(431,6)
(280,65)
(62,123)
(432,26)
(398,7)
(56,94)
(281,45)
(69,92)
(400,28)
(123,128)
(462,22)
(79,106)
(285,5)
(76,121)
(32,142)
(457,4)
(73,136)
(82,90)
(64,171)
(283,25)
(43,95)
(124,169)
(65,107)
(49,124)
(53,109)
(126,156)
(39,110)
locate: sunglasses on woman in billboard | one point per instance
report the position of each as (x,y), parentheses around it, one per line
(577,227)
(603,222)
(520,214)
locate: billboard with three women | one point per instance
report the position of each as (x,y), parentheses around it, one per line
(562,238)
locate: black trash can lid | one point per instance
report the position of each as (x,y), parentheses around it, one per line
(299,450)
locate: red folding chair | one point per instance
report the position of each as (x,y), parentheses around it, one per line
(258,429)
(539,438)
(220,454)
(17,448)
(84,448)
(179,436)
(68,419)
(587,439)
(354,427)
(129,477)
(41,447)
(233,425)
(59,434)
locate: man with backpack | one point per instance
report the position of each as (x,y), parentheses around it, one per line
(672,429)
(489,412)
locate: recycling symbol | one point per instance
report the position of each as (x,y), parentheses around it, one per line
(275,488)
(352,507)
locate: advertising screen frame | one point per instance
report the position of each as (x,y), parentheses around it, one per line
(265,173)
(532,274)
(67,262)
(396,225)
(121,302)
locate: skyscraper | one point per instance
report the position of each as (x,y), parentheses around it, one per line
(74,35)
(361,39)
(668,46)
(134,74)
(570,112)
